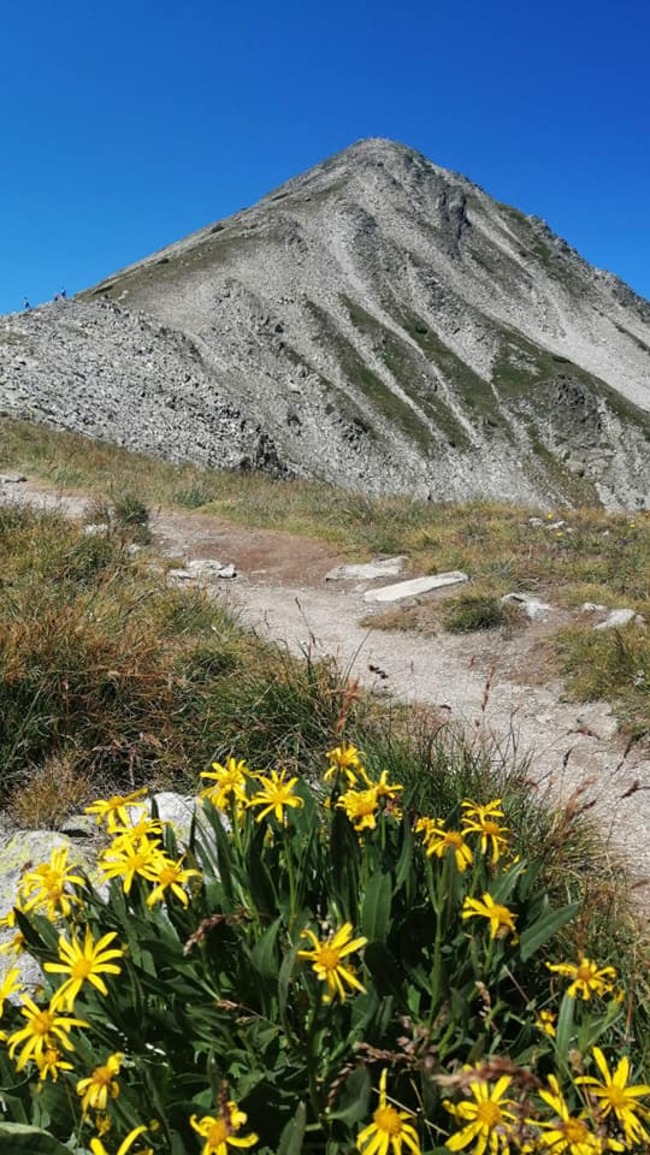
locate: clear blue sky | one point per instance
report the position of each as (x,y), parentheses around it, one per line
(127,123)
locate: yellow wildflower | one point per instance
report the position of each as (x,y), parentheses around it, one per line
(345,759)
(326,959)
(10,985)
(101,1086)
(144,828)
(139,857)
(382,788)
(361,808)
(115,810)
(482,820)
(15,944)
(390,1128)
(501,918)
(277,793)
(89,961)
(568,1133)
(438,841)
(588,978)
(51,1062)
(545,1022)
(220,1131)
(171,875)
(98,1148)
(229,787)
(614,1096)
(44,887)
(45,1029)
(488,1119)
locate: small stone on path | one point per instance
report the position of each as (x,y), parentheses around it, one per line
(367,571)
(532,607)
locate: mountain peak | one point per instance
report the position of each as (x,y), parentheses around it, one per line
(378,322)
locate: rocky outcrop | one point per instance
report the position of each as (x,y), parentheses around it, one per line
(377,322)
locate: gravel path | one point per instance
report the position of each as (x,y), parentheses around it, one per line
(488,682)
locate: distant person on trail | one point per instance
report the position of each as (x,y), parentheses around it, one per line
(26,305)
(56,296)
(63,294)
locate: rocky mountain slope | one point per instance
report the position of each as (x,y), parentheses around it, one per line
(378,322)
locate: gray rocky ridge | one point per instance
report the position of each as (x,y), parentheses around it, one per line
(377,322)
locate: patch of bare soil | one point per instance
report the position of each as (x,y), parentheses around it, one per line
(498,684)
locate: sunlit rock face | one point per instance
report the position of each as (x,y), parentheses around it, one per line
(379,323)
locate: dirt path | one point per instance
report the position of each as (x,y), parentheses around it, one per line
(481,680)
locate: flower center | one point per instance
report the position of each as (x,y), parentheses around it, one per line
(490,827)
(329,958)
(574,1131)
(217,1134)
(617,1097)
(453,838)
(42,1023)
(387,1120)
(81,968)
(488,1113)
(583,973)
(102,1076)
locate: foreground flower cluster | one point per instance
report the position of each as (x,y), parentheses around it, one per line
(320,960)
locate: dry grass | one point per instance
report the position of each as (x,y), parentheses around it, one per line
(594,557)
(110,677)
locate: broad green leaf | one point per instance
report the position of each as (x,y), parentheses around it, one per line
(541,931)
(383,968)
(565,1030)
(404,869)
(354,1098)
(263,954)
(19,1139)
(292,1137)
(375,910)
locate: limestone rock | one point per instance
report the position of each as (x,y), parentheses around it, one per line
(415,586)
(368,571)
(621,617)
(533,608)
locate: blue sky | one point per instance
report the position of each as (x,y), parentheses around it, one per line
(125,125)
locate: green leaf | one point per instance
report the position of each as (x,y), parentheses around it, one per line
(565,1027)
(354,1098)
(383,968)
(344,861)
(19,1139)
(375,911)
(544,928)
(292,1137)
(263,954)
(403,870)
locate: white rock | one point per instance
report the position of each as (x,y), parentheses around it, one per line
(532,607)
(593,608)
(415,586)
(377,568)
(206,569)
(621,617)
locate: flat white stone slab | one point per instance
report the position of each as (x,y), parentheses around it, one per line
(367,571)
(415,586)
(619,618)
